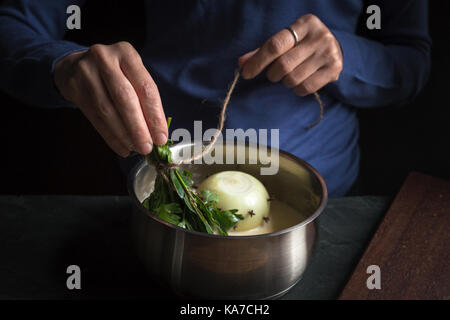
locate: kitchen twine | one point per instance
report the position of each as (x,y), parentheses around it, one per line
(221,124)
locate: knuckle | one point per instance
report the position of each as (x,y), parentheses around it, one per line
(290,80)
(147,89)
(283,64)
(327,37)
(327,34)
(96,48)
(128,52)
(125,45)
(333,58)
(274,46)
(133,56)
(331,54)
(155,120)
(338,65)
(103,110)
(97,51)
(310,18)
(124,92)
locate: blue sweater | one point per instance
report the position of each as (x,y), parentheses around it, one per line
(191,51)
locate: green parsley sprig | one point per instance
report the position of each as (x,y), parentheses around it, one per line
(175,201)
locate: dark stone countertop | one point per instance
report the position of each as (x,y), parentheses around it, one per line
(40,236)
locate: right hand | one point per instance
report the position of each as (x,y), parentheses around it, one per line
(113,89)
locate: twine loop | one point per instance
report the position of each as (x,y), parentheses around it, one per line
(162,168)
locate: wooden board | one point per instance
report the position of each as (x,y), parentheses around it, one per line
(411,245)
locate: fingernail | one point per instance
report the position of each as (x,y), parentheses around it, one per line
(245,74)
(147,148)
(161,139)
(240,62)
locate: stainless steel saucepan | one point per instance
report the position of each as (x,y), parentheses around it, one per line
(198,265)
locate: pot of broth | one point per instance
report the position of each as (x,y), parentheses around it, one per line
(262,262)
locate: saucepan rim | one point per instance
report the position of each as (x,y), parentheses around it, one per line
(323,201)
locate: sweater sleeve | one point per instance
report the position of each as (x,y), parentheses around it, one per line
(389,66)
(30,45)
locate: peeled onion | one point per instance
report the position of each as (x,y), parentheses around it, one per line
(241,191)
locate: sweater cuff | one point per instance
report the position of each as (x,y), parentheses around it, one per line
(351,53)
(56,52)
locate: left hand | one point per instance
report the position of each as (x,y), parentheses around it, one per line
(306,67)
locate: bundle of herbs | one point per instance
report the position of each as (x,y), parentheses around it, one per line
(175,201)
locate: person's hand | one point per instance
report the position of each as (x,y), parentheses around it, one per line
(306,67)
(114,90)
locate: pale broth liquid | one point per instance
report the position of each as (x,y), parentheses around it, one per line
(281,216)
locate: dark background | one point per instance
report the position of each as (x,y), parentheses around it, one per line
(58,152)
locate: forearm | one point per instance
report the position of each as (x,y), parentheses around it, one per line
(392,64)
(29,47)
(376,74)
